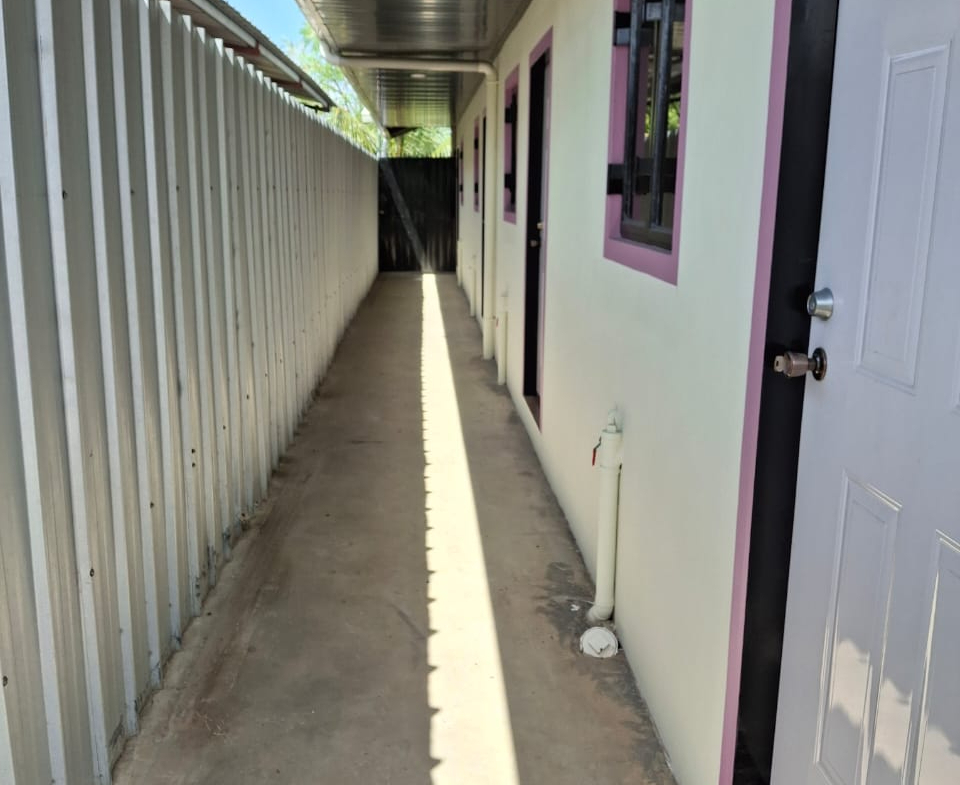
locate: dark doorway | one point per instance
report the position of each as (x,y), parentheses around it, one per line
(536,215)
(796,239)
(418,214)
(483,211)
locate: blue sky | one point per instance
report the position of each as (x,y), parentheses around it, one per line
(280,20)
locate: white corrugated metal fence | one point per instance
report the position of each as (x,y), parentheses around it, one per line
(182,247)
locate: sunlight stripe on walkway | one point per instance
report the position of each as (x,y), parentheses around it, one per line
(470,733)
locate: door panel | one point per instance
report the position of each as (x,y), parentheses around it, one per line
(903,206)
(861,584)
(870,692)
(939,725)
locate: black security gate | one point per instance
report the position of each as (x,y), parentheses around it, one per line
(418,228)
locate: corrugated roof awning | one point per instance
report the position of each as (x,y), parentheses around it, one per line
(467,30)
(220,20)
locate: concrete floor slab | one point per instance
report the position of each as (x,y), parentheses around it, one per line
(406,605)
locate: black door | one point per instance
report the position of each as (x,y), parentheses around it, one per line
(483,211)
(533,293)
(793,269)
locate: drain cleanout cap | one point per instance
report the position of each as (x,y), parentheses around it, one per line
(599,642)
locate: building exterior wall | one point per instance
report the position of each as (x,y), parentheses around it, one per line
(672,358)
(181,248)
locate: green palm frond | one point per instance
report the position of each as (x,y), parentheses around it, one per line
(349,117)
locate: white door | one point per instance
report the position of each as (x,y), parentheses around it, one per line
(870,685)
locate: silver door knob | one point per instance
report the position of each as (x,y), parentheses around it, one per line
(820,304)
(793,364)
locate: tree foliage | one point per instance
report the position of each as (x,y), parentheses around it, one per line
(352,119)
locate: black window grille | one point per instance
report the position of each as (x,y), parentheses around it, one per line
(476,166)
(510,134)
(647,179)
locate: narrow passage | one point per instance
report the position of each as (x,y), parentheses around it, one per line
(405,606)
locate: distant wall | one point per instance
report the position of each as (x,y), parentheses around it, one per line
(418,215)
(671,357)
(181,249)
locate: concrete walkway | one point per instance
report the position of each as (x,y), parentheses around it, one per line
(407,603)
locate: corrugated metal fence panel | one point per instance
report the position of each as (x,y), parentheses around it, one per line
(146,576)
(182,248)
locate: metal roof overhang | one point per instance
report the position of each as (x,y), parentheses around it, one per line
(466,30)
(220,20)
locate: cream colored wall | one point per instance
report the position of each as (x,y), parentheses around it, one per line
(672,358)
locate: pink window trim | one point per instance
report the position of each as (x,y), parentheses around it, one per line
(511,87)
(476,165)
(643,258)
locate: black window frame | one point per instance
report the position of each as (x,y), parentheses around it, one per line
(477,165)
(510,121)
(643,25)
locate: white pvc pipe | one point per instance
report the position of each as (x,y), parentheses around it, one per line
(502,340)
(475,284)
(609,463)
(459,263)
(407,63)
(469,283)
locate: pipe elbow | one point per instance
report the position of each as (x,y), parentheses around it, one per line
(600,613)
(328,54)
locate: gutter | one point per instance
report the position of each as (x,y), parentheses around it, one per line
(251,44)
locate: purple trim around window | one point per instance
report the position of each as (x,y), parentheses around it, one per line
(476,165)
(510,89)
(657,262)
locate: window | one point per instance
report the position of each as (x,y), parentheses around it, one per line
(510,103)
(646,134)
(460,170)
(476,165)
